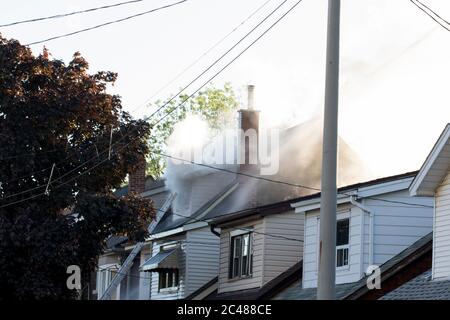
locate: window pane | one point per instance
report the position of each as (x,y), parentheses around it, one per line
(245,244)
(342,232)
(342,257)
(237,247)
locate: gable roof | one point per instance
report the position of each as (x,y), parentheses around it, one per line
(358,290)
(435,167)
(172,221)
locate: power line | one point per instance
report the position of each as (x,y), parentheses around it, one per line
(244,229)
(106,23)
(203,55)
(192,94)
(431,16)
(285,182)
(216,168)
(156,93)
(62,15)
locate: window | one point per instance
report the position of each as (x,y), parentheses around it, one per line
(105,274)
(168,279)
(342,242)
(241,257)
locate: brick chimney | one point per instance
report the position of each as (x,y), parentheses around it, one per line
(249,135)
(136,179)
(248,148)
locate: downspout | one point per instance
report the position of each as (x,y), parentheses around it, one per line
(211,227)
(370,214)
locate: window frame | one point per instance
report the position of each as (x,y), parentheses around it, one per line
(237,255)
(170,275)
(344,248)
(105,274)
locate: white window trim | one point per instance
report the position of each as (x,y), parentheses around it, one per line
(341,216)
(105,276)
(346,266)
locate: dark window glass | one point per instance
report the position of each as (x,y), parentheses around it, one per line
(342,232)
(241,256)
(168,279)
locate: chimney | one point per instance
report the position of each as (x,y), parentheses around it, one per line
(248,135)
(136,180)
(248,148)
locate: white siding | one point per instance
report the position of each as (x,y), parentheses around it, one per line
(179,294)
(145,277)
(256,280)
(110,258)
(281,254)
(202,258)
(310,258)
(395,227)
(441,236)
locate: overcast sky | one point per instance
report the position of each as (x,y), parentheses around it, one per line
(395,92)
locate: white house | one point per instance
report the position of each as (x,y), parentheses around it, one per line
(376,220)
(433,180)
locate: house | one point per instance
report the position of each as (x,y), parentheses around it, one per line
(376,222)
(133,284)
(257,246)
(433,180)
(181,254)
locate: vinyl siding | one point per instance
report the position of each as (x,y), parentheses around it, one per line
(145,277)
(395,227)
(202,259)
(180,293)
(281,254)
(110,259)
(310,257)
(256,280)
(441,252)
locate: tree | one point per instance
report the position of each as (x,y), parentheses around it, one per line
(57,114)
(214,105)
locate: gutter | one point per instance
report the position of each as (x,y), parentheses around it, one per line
(371,223)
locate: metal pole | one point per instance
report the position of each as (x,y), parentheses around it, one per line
(327,263)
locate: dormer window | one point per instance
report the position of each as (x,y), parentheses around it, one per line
(342,242)
(241,255)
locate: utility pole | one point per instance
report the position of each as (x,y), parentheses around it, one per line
(326,289)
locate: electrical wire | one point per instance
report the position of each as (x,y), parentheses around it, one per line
(215,45)
(106,23)
(192,94)
(156,93)
(256,177)
(161,88)
(62,15)
(431,16)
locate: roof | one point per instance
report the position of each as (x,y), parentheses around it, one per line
(356,290)
(171,221)
(261,211)
(421,288)
(267,291)
(163,259)
(435,167)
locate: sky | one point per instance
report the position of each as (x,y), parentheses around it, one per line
(394,88)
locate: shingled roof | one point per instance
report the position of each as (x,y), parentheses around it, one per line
(394,272)
(421,288)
